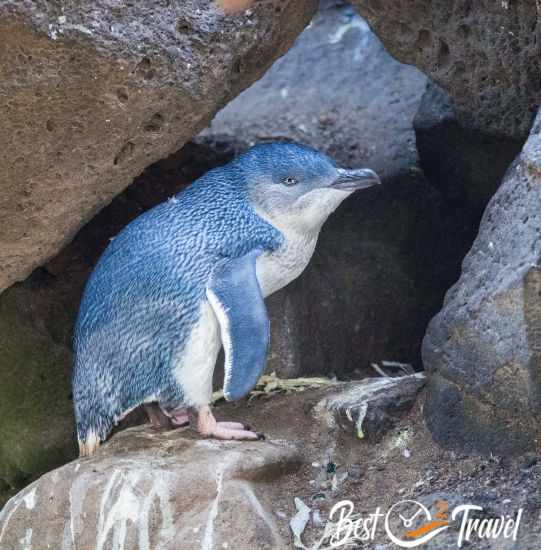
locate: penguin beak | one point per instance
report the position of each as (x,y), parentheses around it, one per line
(352,180)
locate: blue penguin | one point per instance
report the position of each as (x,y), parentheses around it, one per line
(191,275)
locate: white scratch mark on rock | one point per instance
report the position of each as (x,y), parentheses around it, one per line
(30,499)
(126,504)
(354,23)
(79,28)
(67,538)
(207,543)
(160,489)
(115,514)
(256,505)
(76,495)
(26,543)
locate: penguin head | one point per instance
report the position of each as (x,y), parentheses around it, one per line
(294,185)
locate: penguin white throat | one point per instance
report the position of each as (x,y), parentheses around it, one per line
(300,225)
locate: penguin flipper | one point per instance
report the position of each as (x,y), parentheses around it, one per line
(235,297)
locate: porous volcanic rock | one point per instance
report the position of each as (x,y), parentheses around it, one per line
(92,93)
(483,350)
(486,54)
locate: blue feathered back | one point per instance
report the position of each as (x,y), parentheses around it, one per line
(144,295)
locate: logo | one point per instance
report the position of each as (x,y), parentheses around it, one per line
(415,523)
(410,524)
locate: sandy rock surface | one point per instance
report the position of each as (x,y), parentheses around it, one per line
(94,93)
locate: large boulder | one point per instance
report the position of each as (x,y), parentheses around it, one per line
(486,54)
(151,490)
(94,92)
(483,350)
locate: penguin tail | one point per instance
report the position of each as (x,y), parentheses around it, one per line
(89,445)
(92,430)
(93,420)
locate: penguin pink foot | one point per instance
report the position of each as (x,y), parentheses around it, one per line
(208,426)
(168,419)
(179,417)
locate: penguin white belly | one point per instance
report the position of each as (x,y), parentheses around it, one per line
(275,270)
(194,367)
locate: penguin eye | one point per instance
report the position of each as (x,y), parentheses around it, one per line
(289,181)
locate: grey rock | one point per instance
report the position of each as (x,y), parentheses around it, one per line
(94,93)
(486,54)
(482,351)
(371,407)
(146,489)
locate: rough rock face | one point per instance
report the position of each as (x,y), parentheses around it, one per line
(143,491)
(483,350)
(95,92)
(486,54)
